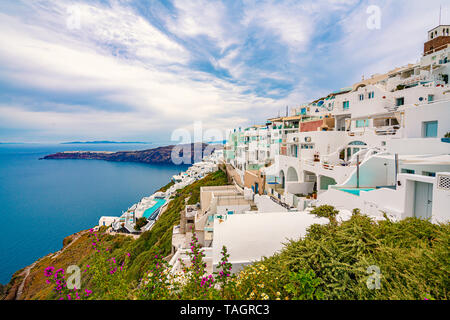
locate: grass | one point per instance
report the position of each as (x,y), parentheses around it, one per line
(412,256)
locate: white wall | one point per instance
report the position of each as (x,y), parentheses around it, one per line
(250,237)
(373,173)
(300,188)
(414,118)
(441,202)
(107,220)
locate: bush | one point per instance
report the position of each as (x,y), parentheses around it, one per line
(141,222)
(326,211)
(412,256)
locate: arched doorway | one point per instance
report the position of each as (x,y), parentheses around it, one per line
(354,147)
(292,175)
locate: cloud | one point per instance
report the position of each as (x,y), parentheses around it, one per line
(144,68)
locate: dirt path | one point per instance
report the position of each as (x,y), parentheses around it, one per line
(77,236)
(27,273)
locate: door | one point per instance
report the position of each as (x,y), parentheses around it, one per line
(423,200)
(430,129)
(256,188)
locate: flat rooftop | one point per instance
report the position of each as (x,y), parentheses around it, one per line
(249,237)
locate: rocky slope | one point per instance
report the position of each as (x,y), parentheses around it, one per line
(160,155)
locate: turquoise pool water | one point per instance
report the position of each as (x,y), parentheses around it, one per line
(150,212)
(356,192)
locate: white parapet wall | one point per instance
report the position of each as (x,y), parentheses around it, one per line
(107,221)
(250,237)
(441,198)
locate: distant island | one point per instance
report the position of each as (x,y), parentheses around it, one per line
(106,142)
(12,142)
(160,155)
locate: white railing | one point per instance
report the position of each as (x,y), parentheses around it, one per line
(309,162)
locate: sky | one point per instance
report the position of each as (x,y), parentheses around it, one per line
(147,70)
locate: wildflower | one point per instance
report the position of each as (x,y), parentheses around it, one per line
(264,296)
(88,292)
(49,271)
(57,272)
(128,254)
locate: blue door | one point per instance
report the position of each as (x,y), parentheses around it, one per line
(430,129)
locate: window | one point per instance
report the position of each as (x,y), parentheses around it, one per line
(346,105)
(357,143)
(430,97)
(362,123)
(361,97)
(400,101)
(307,146)
(429,174)
(371,95)
(430,129)
(408,171)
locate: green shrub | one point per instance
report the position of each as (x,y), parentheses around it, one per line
(326,211)
(141,222)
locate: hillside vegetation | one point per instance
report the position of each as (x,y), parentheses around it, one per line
(358,259)
(80,253)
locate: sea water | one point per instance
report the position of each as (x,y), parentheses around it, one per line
(43,201)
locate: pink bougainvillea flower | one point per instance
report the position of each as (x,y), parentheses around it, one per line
(49,271)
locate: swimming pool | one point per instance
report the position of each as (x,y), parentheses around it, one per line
(152,212)
(356,192)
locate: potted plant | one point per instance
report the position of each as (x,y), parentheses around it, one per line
(446,138)
(316,157)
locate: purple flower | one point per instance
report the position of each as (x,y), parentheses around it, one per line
(49,271)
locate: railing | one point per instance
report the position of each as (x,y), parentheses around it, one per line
(387,130)
(425,103)
(328,166)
